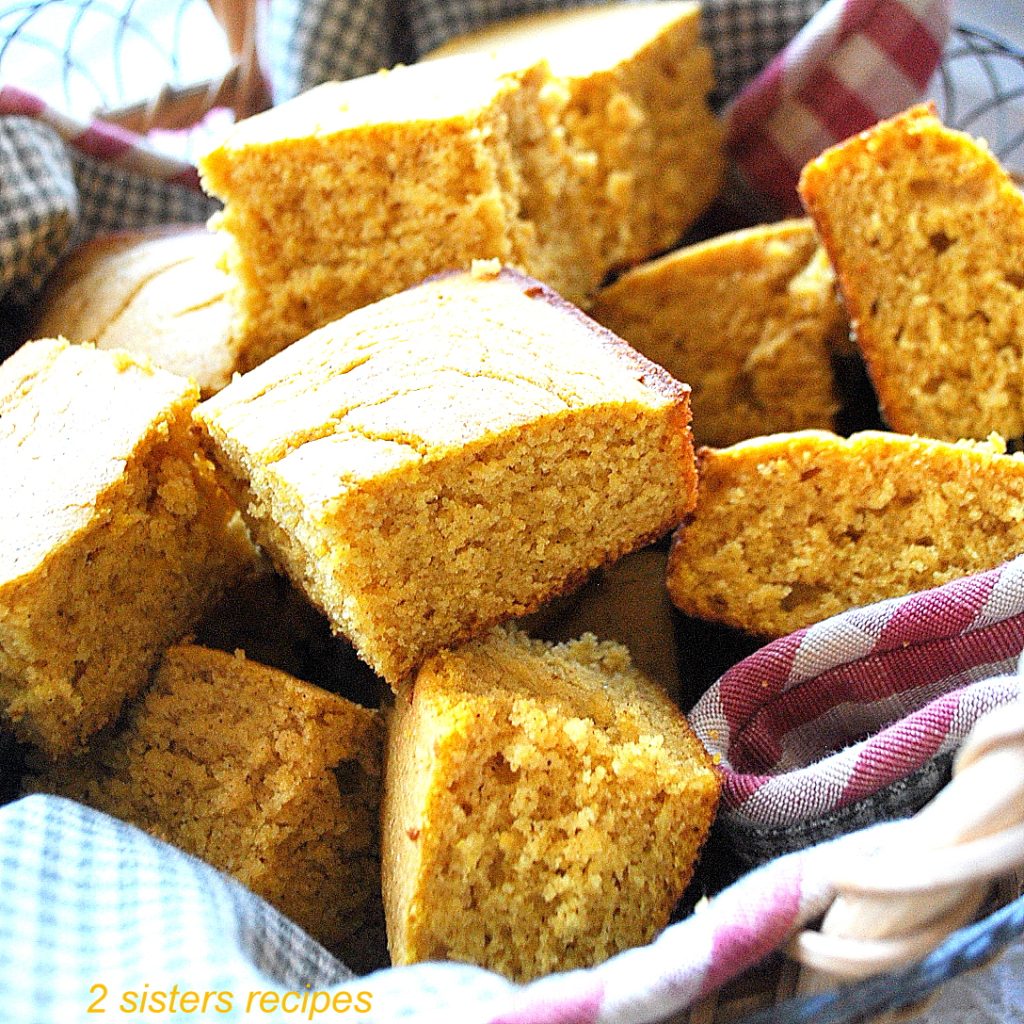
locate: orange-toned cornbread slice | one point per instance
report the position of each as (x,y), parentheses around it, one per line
(270,779)
(793,528)
(451,457)
(544,806)
(749,320)
(158,293)
(634,79)
(925,230)
(116,536)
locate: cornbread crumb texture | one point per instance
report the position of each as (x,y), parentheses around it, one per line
(116,535)
(749,320)
(450,457)
(626,602)
(544,807)
(634,81)
(791,529)
(358,189)
(269,779)
(157,293)
(925,230)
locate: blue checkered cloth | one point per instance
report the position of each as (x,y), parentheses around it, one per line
(94,913)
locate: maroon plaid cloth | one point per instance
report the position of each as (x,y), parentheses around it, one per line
(855,719)
(855,63)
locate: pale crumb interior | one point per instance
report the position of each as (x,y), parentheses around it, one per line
(748,320)
(102,580)
(414,529)
(269,779)
(567,803)
(790,530)
(926,230)
(563,177)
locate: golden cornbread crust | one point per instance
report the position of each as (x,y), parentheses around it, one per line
(116,535)
(156,293)
(748,319)
(543,806)
(925,230)
(270,779)
(356,190)
(451,457)
(791,529)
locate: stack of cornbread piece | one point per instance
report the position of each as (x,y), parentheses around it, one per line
(438,451)
(438,445)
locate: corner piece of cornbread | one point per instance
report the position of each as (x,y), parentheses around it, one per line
(749,319)
(267,778)
(157,293)
(791,529)
(450,457)
(115,536)
(926,231)
(634,80)
(544,806)
(357,189)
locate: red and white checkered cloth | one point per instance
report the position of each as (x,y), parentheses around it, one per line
(854,63)
(855,719)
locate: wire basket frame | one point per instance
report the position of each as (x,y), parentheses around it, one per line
(979,89)
(142,64)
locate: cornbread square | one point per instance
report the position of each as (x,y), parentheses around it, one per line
(450,457)
(116,536)
(635,81)
(358,189)
(543,807)
(269,779)
(791,529)
(157,293)
(926,230)
(749,319)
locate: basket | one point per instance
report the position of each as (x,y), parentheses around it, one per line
(980,88)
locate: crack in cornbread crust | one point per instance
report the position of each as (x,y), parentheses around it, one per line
(113,550)
(543,809)
(749,319)
(270,779)
(390,505)
(791,529)
(925,230)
